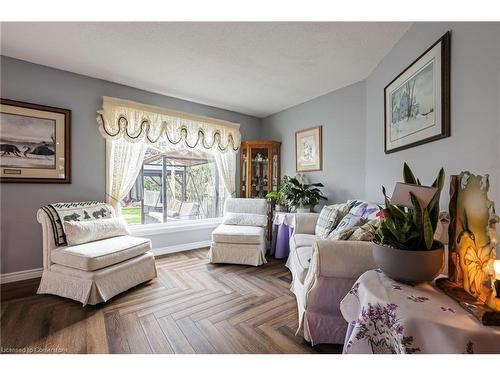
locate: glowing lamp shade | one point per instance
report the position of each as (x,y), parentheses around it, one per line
(496,265)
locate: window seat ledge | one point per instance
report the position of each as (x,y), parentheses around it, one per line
(173,226)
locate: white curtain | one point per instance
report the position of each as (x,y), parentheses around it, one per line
(226,165)
(123,163)
(130,127)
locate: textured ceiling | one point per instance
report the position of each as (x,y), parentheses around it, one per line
(253,68)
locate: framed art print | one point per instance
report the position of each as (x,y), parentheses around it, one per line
(309,149)
(34,143)
(417,102)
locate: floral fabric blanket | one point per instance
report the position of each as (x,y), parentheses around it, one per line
(386,316)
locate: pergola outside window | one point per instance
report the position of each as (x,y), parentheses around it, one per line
(177,184)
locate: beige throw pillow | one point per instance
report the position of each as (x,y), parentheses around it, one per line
(329,218)
(253,220)
(366,232)
(346,227)
(78,232)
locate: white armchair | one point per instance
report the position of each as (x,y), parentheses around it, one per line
(241,238)
(323,272)
(96,271)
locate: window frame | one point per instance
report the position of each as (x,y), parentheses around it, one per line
(178,225)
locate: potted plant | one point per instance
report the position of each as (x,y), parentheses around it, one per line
(404,246)
(280,196)
(303,197)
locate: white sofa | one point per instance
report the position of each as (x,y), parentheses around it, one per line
(323,272)
(96,271)
(240,244)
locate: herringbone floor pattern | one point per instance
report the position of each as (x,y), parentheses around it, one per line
(192,307)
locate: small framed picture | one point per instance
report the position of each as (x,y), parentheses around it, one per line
(35,143)
(417,102)
(309,150)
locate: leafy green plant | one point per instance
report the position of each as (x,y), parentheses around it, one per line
(281,195)
(304,195)
(411,228)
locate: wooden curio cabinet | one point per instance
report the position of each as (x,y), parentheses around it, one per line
(259,168)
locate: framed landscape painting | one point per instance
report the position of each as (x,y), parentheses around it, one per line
(34,143)
(417,102)
(309,149)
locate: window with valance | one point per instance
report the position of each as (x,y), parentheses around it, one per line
(166,165)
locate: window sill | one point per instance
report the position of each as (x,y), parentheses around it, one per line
(173,227)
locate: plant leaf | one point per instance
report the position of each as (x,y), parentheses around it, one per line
(417,215)
(428,232)
(433,206)
(408,176)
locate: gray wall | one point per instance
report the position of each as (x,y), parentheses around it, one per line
(21,242)
(342,115)
(352,169)
(475,119)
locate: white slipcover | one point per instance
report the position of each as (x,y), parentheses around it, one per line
(249,254)
(322,274)
(126,261)
(95,255)
(97,286)
(240,244)
(302,240)
(238,234)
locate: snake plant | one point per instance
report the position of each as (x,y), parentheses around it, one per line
(411,228)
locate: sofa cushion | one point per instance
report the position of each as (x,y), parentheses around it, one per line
(301,240)
(95,255)
(302,262)
(328,219)
(238,234)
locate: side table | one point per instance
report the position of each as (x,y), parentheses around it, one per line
(283,223)
(386,316)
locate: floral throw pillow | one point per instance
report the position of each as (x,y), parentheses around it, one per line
(364,209)
(328,219)
(346,227)
(365,232)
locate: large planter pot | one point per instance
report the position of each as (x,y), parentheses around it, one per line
(302,210)
(280,208)
(412,266)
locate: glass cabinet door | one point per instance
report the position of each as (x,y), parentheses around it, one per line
(244,162)
(260,172)
(275,168)
(259,168)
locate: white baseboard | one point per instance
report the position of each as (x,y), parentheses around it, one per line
(37,272)
(20,275)
(181,247)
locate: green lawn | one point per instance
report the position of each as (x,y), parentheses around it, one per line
(132,215)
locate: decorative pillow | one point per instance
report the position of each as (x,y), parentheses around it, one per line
(78,232)
(346,227)
(328,219)
(74,211)
(364,209)
(253,220)
(365,232)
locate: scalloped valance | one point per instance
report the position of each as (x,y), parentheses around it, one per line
(138,122)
